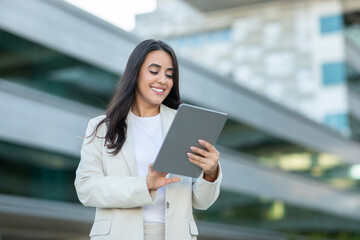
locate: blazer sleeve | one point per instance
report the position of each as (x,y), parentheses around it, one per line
(95,189)
(205,193)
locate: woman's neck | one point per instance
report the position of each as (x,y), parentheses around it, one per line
(145,111)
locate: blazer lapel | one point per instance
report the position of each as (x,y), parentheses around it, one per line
(128,149)
(166,119)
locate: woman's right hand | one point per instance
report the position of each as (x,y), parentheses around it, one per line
(156,180)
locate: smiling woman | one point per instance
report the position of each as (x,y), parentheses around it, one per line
(154,83)
(115,172)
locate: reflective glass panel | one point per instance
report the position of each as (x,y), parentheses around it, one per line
(38,67)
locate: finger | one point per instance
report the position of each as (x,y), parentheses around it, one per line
(208,145)
(173,180)
(196,158)
(211,148)
(198,163)
(200,151)
(202,162)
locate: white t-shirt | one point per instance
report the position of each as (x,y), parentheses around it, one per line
(147,137)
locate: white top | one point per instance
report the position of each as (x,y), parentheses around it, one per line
(147,137)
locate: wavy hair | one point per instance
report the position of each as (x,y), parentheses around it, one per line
(124,96)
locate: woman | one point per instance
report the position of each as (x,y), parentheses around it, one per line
(115,172)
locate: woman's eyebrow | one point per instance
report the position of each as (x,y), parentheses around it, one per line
(154,65)
(159,66)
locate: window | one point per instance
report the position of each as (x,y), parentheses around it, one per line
(333,73)
(338,122)
(330,24)
(196,40)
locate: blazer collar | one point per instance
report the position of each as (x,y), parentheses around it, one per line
(127,150)
(167,117)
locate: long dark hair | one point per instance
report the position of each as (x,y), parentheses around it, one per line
(124,96)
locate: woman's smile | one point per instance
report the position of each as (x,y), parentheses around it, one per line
(158,90)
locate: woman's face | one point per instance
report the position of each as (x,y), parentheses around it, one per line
(155,79)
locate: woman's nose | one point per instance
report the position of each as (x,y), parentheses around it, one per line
(162,78)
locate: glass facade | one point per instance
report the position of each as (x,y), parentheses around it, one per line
(353,76)
(276,215)
(38,67)
(352,36)
(35,172)
(280,154)
(355,128)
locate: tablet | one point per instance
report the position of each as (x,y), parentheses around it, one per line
(190,124)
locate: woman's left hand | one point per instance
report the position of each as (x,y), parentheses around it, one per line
(207,159)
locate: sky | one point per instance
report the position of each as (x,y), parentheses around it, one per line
(118,12)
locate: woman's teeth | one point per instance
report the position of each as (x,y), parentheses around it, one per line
(157,90)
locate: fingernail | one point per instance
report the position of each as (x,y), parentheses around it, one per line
(192,148)
(189,154)
(200,140)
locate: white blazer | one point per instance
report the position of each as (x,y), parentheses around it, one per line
(112,185)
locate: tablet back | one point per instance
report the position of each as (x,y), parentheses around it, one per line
(190,124)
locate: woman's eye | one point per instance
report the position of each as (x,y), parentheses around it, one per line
(152,72)
(170,76)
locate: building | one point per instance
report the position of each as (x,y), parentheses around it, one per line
(284,174)
(298,53)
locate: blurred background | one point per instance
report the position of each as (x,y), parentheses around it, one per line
(285,71)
